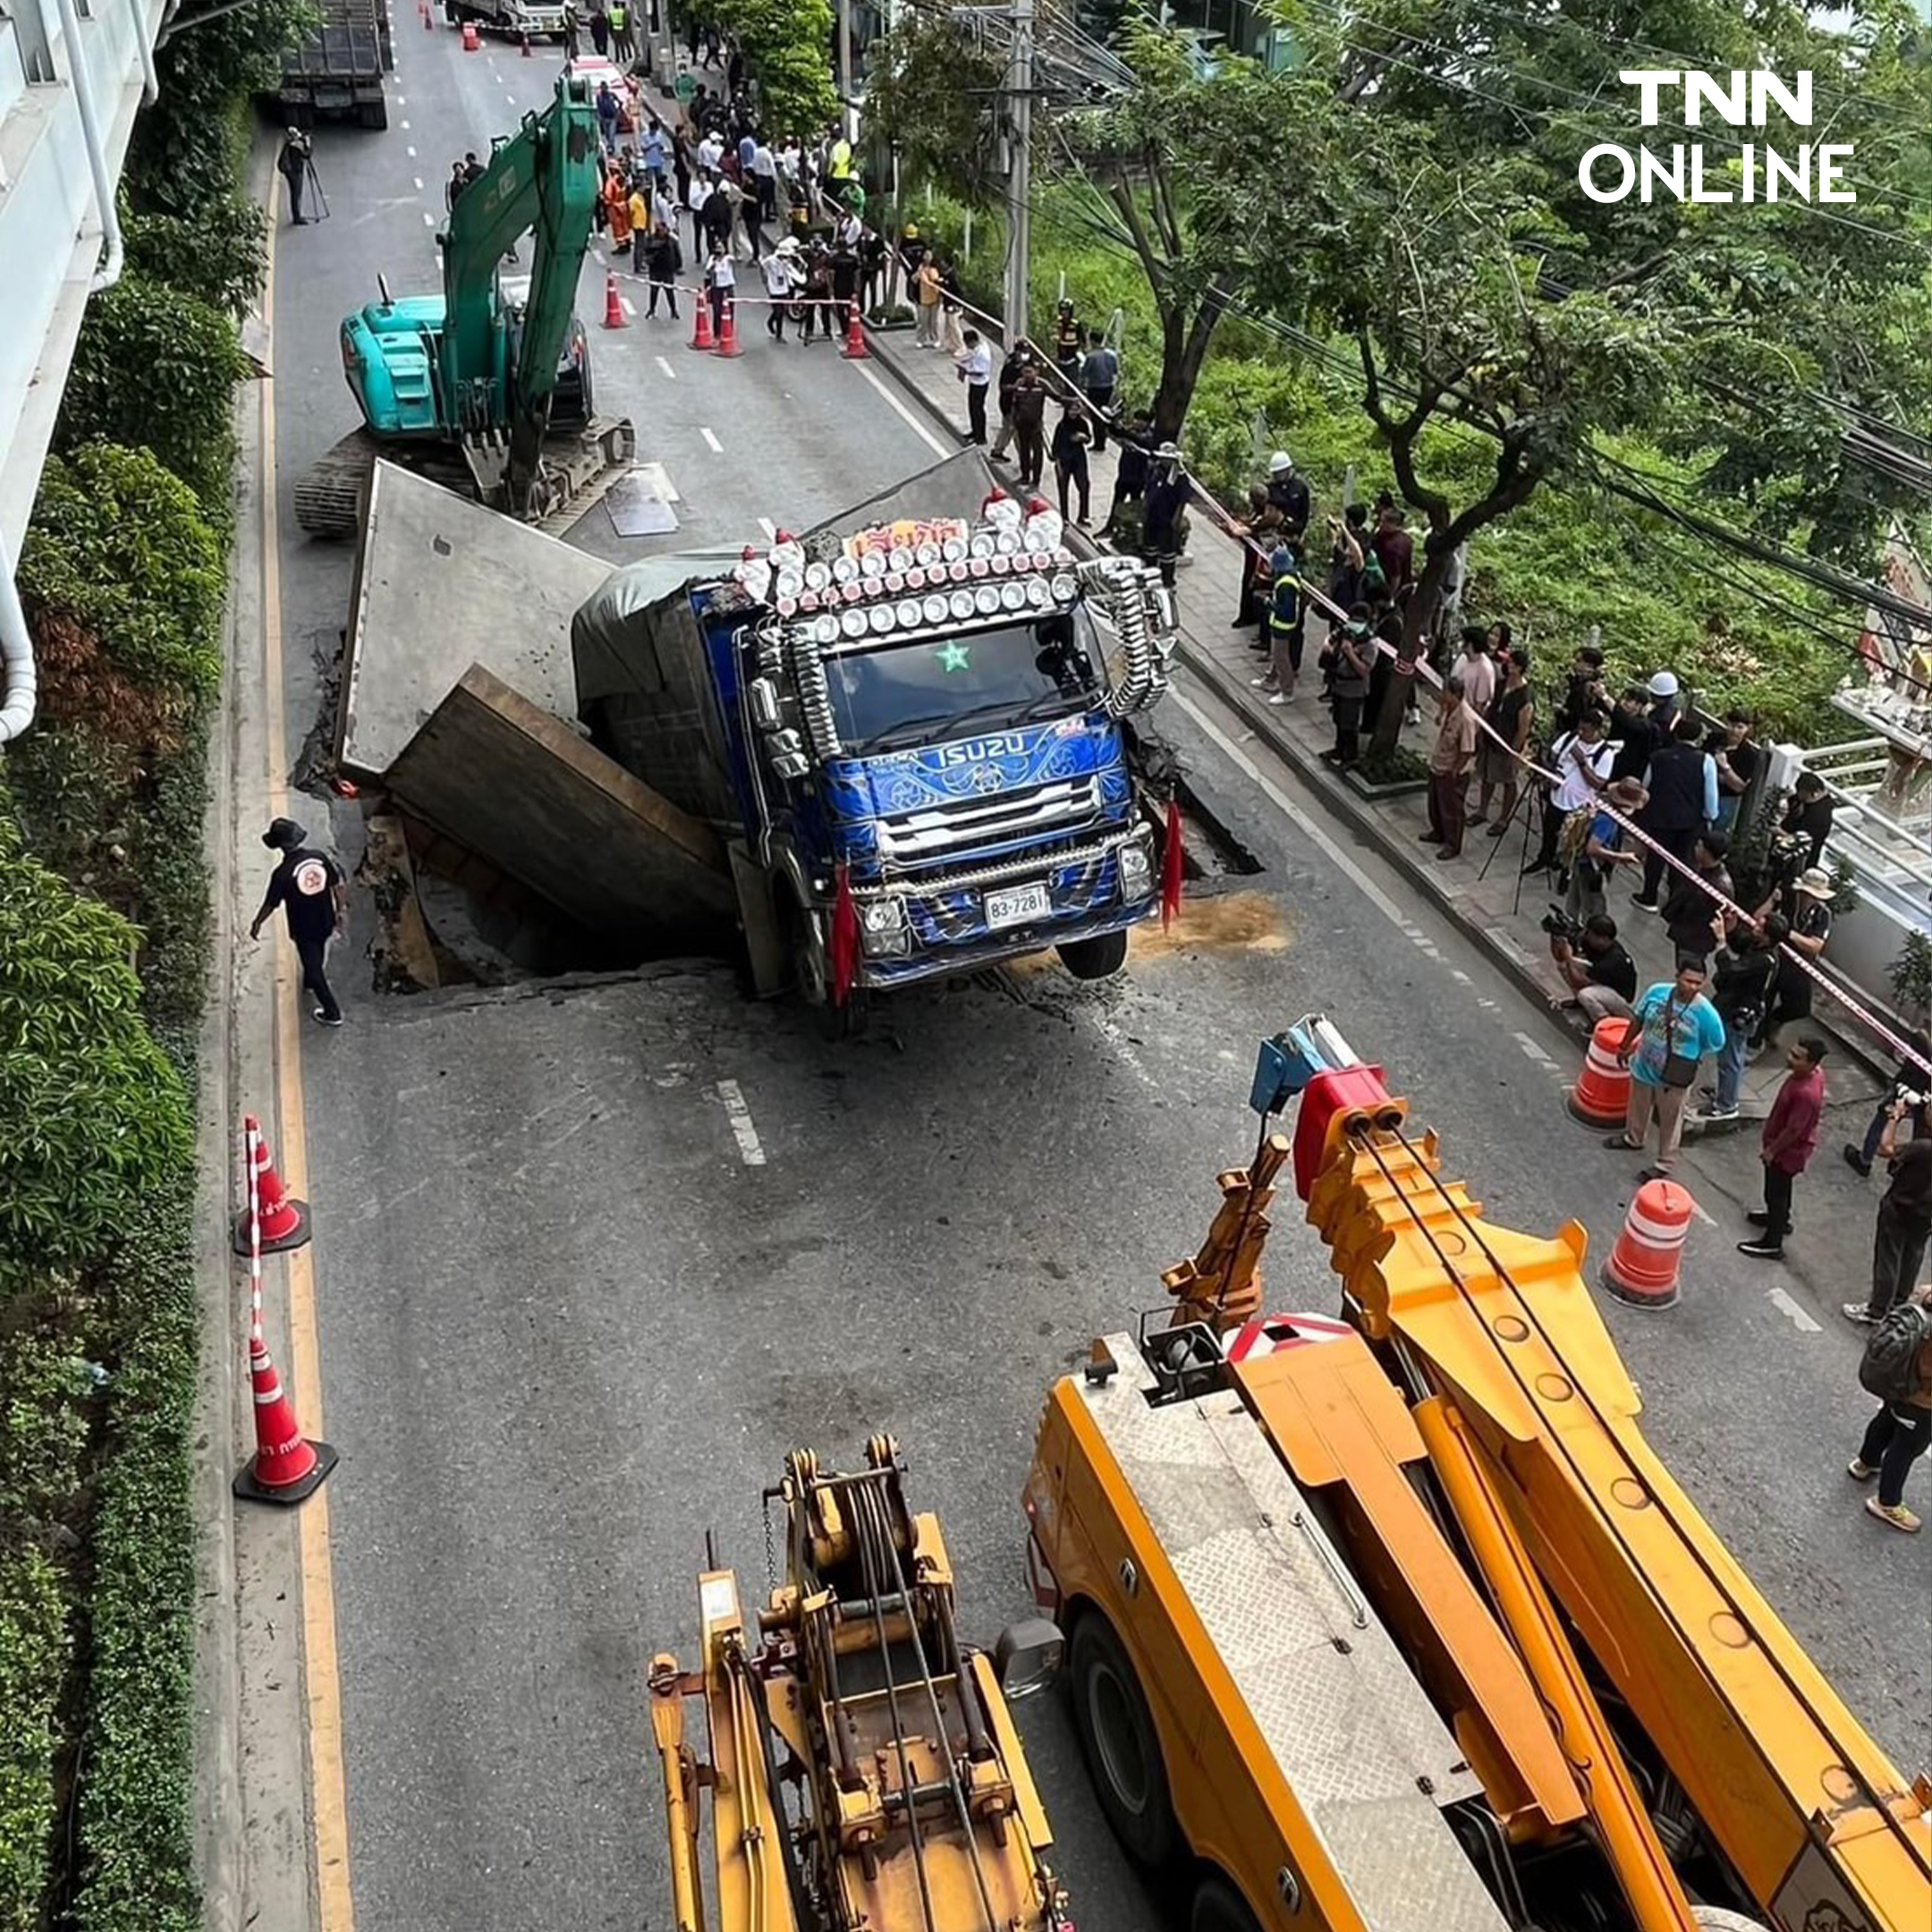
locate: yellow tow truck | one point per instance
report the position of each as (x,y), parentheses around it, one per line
(1387,1619)
(1396,1622)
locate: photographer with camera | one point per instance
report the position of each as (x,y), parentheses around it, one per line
(1811,928)
(1593,963)
(1809,814)
(1746,965)
(1908,1084)
(1582,759)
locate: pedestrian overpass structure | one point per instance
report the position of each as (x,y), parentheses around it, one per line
(73,74)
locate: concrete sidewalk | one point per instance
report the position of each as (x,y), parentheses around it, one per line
(1483,889)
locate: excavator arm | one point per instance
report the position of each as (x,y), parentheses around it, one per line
(543,181)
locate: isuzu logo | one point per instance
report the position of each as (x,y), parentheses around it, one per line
(976,751)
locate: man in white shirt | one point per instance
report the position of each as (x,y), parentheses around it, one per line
(780,270)
(721,278)
(976,371)
(765,178)
(1582,759)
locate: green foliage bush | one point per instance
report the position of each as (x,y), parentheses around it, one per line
(137,1852)
(218,253)
(120,546)
(35,1646)
(157,369)
(95,1112)
(787,46)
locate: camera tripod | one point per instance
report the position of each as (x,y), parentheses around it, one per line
(1526,804)
(314,184)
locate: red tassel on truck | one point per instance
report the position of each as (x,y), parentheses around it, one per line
(1171,864)
(845,938)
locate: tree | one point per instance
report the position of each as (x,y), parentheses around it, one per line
(1429,271)
(1179,166)
(787,46)
(1802,322)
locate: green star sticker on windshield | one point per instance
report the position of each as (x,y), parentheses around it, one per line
(953,657)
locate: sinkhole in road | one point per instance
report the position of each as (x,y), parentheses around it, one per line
(446,917)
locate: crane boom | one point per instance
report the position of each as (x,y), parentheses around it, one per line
(1509,1356)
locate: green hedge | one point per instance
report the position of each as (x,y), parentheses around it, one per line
(94,1110)
(156,368)
(137,1871)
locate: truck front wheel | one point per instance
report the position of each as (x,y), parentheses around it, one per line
(1120,1745)
(1098,958)
(805,955)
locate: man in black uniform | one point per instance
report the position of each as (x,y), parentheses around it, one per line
(292,162)
(309,888)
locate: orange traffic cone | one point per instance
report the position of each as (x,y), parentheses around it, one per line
(855,342)
(1641,1270)
(286,1466)
(702,328)
(471,44)
(1601,1095)
(283,1220)
(727,340)
(614,315)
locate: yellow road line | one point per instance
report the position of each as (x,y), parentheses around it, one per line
(328,1787)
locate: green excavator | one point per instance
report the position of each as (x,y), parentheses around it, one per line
(487,385)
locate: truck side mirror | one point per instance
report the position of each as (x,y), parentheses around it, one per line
(1028,1654)
(762,695)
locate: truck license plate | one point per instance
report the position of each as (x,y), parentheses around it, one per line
(1016,905)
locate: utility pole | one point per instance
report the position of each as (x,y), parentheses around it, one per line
(1019,170)
(845,66)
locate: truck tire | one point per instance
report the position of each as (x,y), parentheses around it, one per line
(834,1019)
(1098,958)
(1218,1907)
(1120,1745)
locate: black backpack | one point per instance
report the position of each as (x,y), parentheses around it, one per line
(1891,1350)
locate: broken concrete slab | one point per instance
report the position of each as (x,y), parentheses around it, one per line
(442,582)
(503,777)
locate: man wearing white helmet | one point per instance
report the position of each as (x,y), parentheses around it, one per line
(1288,491)
(1665,704)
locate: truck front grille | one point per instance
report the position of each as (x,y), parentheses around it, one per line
(916,838)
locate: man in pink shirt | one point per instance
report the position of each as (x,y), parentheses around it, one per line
(1790,1140)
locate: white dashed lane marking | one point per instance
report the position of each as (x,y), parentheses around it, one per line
(1535,1052)
(716,447)
(1784,1305)
(412,153)
(429,219)
(739,1114)
(670,373)
(770,529)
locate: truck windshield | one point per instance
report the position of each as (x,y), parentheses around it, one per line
(974,678)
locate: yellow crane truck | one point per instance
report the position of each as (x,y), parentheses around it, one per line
(863,1769)
(1394,1622)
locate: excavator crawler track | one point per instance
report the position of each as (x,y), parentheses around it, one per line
(579,467)
(329,494)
